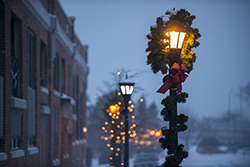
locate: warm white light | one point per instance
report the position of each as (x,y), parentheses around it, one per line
(127,87)
(176,39)
(181,39)
(173,39)
(123,89)
(84,129)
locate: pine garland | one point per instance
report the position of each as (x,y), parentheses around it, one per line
(159,60)
(158,56)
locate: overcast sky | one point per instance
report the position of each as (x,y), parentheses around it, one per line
(115,31)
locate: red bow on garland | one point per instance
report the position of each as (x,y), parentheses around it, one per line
(177,76)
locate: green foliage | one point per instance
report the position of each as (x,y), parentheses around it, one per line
(176,158)
(158,57)
(170,134)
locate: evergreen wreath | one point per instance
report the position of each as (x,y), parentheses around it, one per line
(158,49)
(159,60)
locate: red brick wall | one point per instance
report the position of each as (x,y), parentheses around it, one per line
(65,138)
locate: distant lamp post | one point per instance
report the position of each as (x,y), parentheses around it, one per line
(127,88)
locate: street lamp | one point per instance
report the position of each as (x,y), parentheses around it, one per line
(176,39)
(127,88)
(175,46)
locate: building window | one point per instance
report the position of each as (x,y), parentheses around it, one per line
(1,59)
(14,143)
(31,116)
(31,141)
(43,64)
(77,105)
(31,58)
(56,73)
(63,76)
(55,132)
(16,115)
(69,79)
(1,144)
(15,55)
(75,86)
(1,82)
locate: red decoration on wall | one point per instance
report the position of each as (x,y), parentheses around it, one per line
(177,76)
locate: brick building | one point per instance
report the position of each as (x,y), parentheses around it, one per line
(43,80)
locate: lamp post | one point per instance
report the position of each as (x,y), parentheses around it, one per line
(175,45)
(127,88)
(165,49)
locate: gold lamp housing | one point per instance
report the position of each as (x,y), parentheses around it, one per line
(176,38)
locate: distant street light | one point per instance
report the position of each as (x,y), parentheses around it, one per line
(127,88)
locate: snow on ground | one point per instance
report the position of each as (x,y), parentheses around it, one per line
(239,159)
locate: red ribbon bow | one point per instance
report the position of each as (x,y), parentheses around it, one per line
(177,76)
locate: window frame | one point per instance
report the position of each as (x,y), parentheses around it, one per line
(31,58)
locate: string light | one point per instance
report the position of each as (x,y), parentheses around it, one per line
(141,100)
(157,134)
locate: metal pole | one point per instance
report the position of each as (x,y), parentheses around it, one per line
(126,154)
(174,57)
(173,119)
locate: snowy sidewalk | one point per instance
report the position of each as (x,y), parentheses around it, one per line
(203,160)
